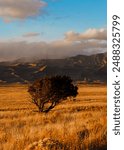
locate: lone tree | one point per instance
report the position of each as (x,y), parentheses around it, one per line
(49,91)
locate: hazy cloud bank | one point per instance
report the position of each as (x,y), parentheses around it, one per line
(86,43)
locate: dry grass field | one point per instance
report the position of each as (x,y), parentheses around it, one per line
(77,125)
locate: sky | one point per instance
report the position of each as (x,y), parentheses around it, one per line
(56,28)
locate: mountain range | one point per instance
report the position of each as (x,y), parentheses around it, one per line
(79,68)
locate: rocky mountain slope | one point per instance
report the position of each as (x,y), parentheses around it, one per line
(81,67)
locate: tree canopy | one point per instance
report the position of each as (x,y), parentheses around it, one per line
(49,91)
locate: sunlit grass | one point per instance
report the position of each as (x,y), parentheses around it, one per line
(79,124)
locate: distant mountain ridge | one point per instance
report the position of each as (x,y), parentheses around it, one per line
(80,67)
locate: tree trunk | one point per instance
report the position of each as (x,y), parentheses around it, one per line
(50,107)
(41,107)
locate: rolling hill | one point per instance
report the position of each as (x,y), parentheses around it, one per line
(80,67)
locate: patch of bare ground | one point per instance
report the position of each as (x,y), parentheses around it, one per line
(71,125)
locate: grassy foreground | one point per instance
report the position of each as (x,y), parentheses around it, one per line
(79,125)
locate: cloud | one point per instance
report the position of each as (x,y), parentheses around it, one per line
(43,50)
(90,42)
(31,34)
(97,34)
(20,9)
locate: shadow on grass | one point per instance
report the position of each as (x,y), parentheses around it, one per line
(15,109)
(102,147)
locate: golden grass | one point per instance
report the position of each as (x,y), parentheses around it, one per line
(80,124)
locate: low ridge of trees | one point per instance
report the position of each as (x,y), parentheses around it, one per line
(49,91)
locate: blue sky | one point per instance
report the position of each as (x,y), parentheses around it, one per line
(52,20)
(59,17)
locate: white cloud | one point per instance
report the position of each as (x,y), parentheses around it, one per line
(31,34)
(20,9)
(98,34)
